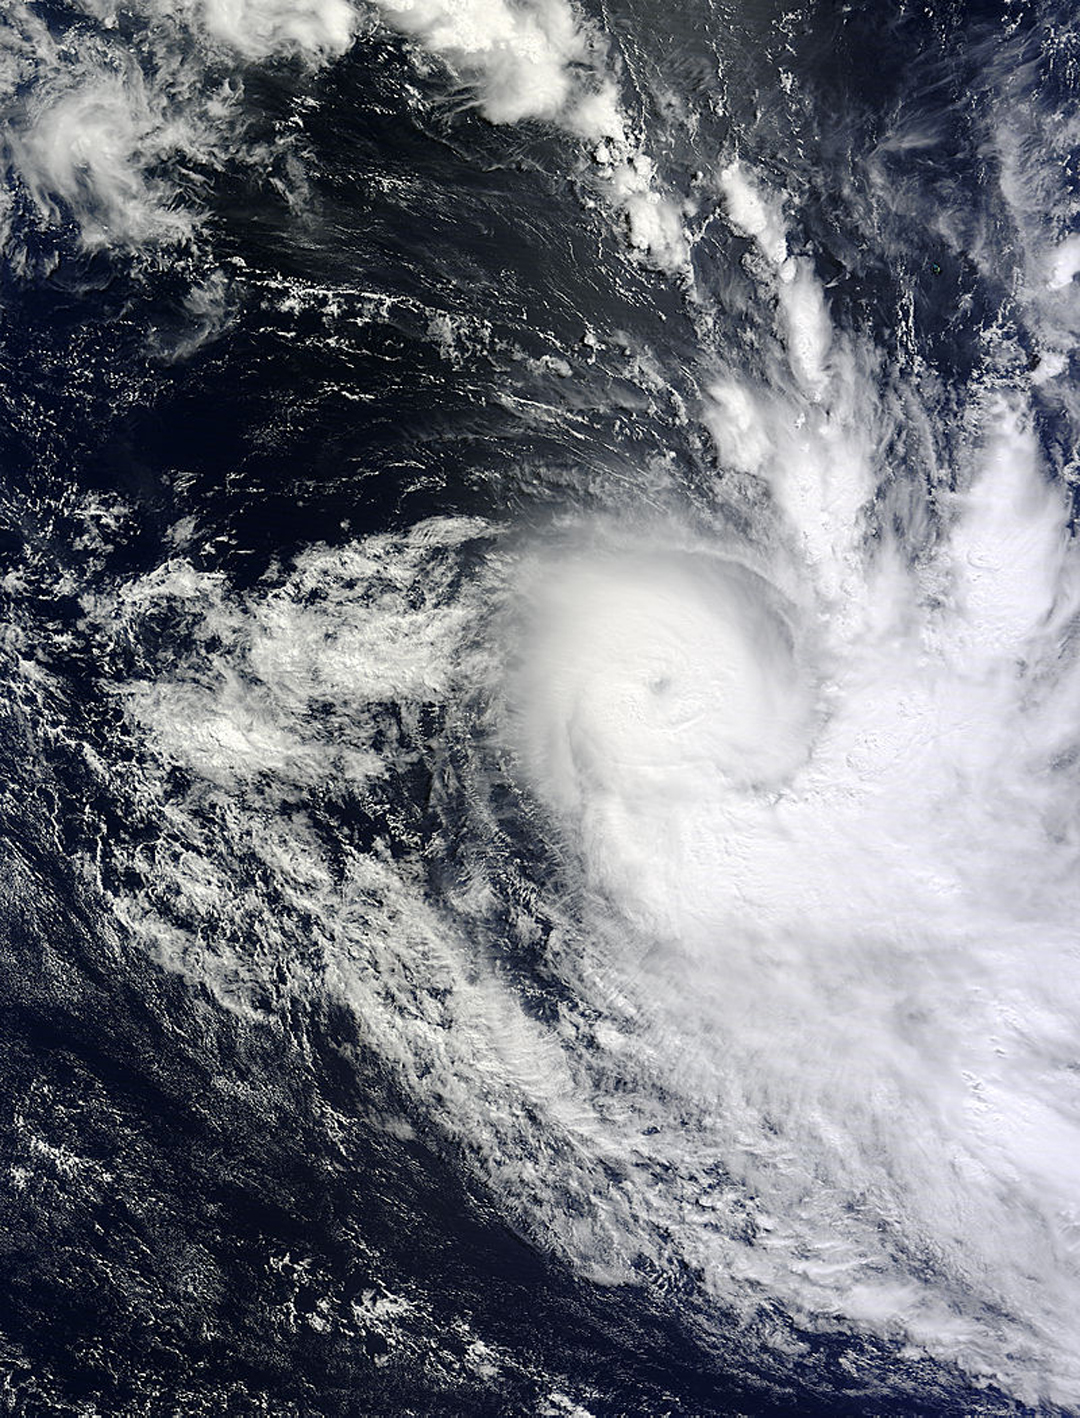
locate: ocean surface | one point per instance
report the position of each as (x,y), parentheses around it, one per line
(539,709)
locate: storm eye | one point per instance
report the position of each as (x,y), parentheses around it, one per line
(653,677)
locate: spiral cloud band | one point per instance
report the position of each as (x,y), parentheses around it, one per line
(649,717)
(792,832)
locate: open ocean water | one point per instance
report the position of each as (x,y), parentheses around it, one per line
(540,715)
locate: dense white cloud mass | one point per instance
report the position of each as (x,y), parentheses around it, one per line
(520,56)
(814,884)
(657,678)
(318,29)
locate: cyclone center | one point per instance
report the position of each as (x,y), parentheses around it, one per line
(659,677)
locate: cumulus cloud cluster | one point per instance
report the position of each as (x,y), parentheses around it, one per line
(106,126)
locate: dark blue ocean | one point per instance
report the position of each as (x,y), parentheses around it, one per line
(540,716)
